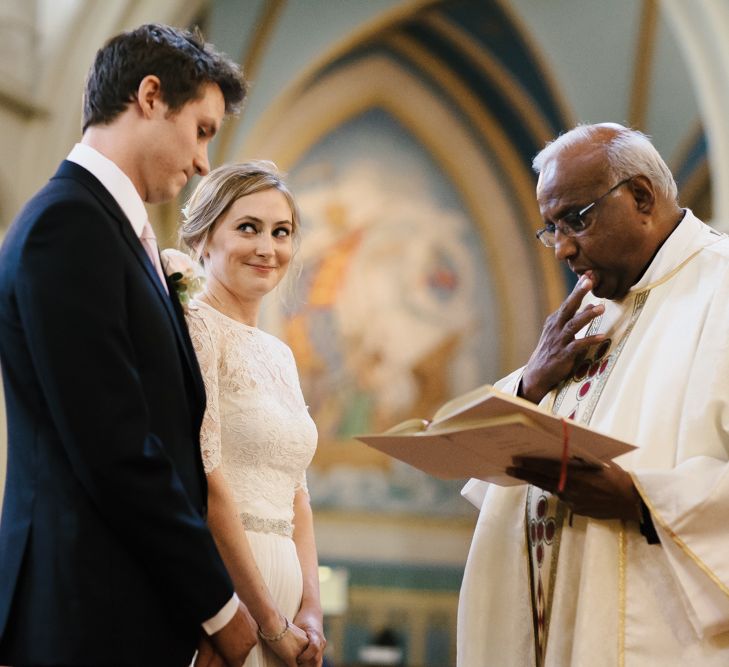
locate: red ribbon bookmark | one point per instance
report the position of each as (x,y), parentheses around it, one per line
(565,456)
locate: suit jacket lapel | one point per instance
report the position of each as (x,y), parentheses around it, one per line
(78,173)
(169,301)
(186,343)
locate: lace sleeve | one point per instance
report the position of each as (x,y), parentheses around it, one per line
(300,484)
(204,345)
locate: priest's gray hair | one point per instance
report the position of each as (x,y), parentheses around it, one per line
(629,153)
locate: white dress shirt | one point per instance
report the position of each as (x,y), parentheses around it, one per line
(117,183)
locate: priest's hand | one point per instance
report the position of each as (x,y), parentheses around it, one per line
(605,492)
(558,351)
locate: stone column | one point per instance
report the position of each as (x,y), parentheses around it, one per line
(702,27)
(18,45)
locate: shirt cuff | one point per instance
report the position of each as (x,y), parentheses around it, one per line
(222,618)
(647,528)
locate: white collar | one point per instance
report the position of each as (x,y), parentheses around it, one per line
(690,236)
(116,182)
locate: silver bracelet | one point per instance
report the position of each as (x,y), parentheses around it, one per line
(276,637)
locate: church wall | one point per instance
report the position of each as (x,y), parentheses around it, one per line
(589,54)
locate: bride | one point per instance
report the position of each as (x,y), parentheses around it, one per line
(257,436)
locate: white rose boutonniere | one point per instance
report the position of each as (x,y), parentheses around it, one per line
(186,275)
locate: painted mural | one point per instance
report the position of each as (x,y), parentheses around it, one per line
(391,314)
(409,153)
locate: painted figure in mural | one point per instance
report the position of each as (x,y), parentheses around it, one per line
(257,436)
(105,556)
(383,326)
(637,575)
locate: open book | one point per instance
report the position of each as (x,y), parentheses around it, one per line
(480,433)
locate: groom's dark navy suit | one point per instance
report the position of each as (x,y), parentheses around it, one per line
(105,558)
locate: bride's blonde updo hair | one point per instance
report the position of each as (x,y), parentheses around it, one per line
(217,192)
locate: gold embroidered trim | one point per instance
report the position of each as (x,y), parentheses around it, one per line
(559,522)
(557,542)
(622,593)
(592,329)
(672,273)
(615,355)
(664,526)
(530,573)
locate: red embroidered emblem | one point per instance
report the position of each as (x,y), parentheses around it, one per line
(542,532)
(590,368)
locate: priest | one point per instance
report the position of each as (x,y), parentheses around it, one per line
(627,564)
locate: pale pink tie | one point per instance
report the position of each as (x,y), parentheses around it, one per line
(149,242)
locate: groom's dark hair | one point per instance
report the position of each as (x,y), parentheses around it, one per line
(181,59)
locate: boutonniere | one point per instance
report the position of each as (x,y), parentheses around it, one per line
(185,275)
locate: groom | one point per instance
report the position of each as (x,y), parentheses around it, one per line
(105,558)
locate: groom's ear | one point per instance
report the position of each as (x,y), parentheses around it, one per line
(149,97)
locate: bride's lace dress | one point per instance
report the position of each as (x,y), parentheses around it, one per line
(258,430)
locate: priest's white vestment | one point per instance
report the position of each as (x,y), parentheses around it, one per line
(539,591)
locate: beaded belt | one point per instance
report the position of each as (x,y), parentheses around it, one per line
(259,525)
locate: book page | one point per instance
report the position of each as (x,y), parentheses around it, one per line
(441,455)
(504,442)
(483,451)
(488,403)
(460,403)
(485,431)
(409,426)
(457,424)
(482,403)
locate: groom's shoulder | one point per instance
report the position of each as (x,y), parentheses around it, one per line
(72,192)
(64,205)
(68,187)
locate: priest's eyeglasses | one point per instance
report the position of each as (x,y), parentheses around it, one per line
(574,222)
